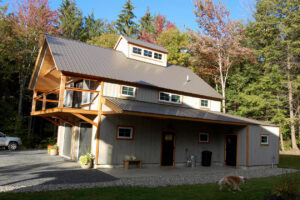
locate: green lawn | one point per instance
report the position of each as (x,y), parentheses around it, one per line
(255,189)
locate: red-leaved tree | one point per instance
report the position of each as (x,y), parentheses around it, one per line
(216,46)
(160,24)
(31,19)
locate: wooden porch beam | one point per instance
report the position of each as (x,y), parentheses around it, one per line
(81,90)
(109,113)
(49,71)
(54,91)
(65,120)
(52,121)
(48,100)
(44,101)
(85,119)
(34,101)
(62,91)
(99,122)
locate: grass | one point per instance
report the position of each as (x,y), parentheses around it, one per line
(254,189)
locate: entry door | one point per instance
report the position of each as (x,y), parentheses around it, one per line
(85,138)
(231,148)
(67,140)
(168,146)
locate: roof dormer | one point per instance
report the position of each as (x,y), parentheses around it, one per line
(142,51)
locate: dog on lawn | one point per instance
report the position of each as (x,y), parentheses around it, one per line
(232,182)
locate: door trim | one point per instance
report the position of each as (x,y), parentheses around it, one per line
(237,149)
(161,146)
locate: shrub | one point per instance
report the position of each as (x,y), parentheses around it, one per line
(286,189)
(84,159)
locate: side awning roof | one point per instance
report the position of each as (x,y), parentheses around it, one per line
(133,107)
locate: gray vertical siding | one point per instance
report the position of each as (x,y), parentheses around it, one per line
(263,155)
(242,134)
(147,140)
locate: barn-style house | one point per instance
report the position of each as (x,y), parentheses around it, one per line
(129,101)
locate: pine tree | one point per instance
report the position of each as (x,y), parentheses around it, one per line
(71,20)
(92,27)
(146,22)
(125,24)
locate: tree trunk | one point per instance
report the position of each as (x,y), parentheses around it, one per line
(223,85)
(290,96)
(281,142)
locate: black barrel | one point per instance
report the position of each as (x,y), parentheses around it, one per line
(206,158)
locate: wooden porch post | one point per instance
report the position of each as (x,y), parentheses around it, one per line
(62,90)
(99,122)
(34,101)
(44,101)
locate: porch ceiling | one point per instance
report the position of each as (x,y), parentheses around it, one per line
(133,107)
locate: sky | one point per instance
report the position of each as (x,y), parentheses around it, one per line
(178,11)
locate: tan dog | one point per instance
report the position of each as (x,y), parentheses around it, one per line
(232,182)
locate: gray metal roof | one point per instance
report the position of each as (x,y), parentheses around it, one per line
(145,44)
(178,111)
(78,57)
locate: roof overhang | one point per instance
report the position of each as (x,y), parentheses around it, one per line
(133,107)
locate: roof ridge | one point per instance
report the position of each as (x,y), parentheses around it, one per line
(78,41)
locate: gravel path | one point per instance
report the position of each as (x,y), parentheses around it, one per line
(39,172)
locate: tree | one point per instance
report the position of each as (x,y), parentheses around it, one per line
(217,41)
(160,24)
(125,24)
(92,27)
(176,42)
(71,20)
(107,40)
(146,22)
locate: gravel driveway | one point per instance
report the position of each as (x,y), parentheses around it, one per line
(35,170)
(24,171)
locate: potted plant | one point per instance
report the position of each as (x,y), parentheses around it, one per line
(49,147)
(86,160)
(53,150)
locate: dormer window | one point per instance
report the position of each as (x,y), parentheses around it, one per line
(157,56)
(204,103)
(148,53)
(137,50)
(128,91)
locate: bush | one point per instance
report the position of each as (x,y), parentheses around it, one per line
(286,189)
(85,159)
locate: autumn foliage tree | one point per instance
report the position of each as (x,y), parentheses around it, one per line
(31,19)
(216,46)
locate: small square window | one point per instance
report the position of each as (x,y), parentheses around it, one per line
(137,50)
(125,133)
(148,53)
(264,139)
(204,103)
(158,56)
(203,138)
(128,91)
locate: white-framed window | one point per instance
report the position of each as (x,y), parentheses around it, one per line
(157,56)
(148,53)
(137,50)
(128,91)
(204,103)
(169,97)
(203,138)
(125,132)
(264,139)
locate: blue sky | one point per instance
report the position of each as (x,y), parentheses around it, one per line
(178,11)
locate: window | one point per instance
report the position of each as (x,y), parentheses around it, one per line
(264,139)
(157,56)
(203,138)
(168,97)
(128,91)
(88,97)
(137,50)
(148,53)
(125,133)
(204,103)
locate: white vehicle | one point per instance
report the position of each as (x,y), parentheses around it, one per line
(11,143)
